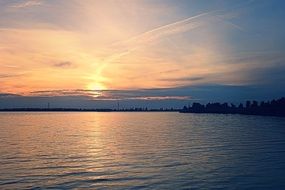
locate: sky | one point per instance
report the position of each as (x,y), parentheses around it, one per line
(142,53)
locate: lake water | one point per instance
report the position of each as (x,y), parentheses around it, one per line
(141,151)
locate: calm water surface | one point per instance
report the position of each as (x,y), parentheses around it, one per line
(141,151)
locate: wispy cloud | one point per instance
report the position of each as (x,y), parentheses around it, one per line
(142,94)
(11,66)
(63,64)
(183,79)
(26,3)
(8,95)
(3,76)
(122,49)
(148,38)
(112,49)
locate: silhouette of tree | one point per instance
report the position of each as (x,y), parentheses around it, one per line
(271,108)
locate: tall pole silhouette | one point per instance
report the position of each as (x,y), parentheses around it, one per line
(118,105)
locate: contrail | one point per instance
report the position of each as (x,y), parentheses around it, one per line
(145,38)
(126,47)
(230,23)
(148,37)
(169,29)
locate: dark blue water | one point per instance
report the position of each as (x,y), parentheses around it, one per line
(141,151)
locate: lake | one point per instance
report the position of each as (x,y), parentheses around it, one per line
(65,150)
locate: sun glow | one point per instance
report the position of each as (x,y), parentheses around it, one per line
(127,45)
(96,86)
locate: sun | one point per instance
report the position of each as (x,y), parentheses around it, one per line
(96,86)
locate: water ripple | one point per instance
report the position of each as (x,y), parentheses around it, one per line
(141,151)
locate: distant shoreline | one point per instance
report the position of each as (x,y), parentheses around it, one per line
(84,110)
(131,111)
(269,108)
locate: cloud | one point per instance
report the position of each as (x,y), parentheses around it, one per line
(162,50)
(123,48)
(162,98)
(183,79)
(64,64)
(26,4)
(151,37)
(10,66)
(152,98)
(3,76)
(66,92)
(142,94)
(8,95)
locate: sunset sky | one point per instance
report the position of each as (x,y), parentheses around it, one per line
(160,53)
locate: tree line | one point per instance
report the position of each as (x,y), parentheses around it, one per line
(270,108)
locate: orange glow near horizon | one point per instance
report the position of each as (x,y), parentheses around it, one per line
(98,45)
